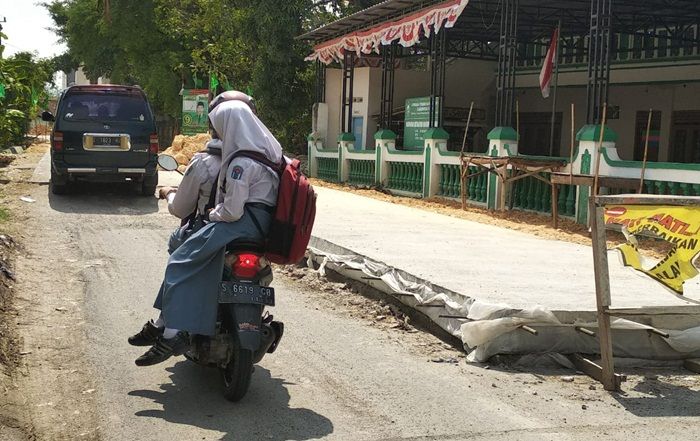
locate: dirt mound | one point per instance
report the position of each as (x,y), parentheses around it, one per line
(184,147)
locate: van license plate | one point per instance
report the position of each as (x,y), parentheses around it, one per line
(237,292)
(108,141)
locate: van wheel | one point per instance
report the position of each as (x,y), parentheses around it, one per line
(148,187)
(58,188)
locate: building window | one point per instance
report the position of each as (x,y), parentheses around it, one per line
(685,137)
(641,133)
(535,132)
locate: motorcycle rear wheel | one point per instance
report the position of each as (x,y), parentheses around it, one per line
(237,375)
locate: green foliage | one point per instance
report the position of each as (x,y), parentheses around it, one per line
(163,45)
(25,80)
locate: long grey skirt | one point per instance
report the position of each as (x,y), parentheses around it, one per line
(188,296)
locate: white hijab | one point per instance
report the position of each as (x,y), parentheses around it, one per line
(239,129)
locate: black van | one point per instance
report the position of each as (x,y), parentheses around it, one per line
(103,133)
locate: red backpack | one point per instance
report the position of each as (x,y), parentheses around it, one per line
(293,220)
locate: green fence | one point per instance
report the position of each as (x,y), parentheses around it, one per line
(406,176)
(671,188)
(328,169)
(532,194)
(450,183)
(361,171)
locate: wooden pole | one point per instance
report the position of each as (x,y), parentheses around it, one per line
(602,294)
(646,151)
(573,145)
(463,168)
(517,117)
(599,150)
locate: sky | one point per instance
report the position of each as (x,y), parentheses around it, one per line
(26,28)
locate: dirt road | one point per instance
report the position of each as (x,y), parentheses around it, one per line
(90,268)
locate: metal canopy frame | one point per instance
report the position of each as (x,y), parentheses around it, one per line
(502,30)
(507,60)
(480,19)
(348,80)
(388,69)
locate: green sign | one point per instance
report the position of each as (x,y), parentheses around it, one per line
(2,90)
(195,103)
(417,121)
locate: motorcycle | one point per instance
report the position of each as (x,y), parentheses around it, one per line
(245,331)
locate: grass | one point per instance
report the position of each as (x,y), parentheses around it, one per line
(4,214)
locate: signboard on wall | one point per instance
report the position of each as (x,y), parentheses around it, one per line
(195,103)
(417,121)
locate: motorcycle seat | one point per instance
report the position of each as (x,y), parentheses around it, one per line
(243,244)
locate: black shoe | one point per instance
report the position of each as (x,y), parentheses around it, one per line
(147,336)
(164,349)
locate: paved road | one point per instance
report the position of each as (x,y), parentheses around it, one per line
(93,262)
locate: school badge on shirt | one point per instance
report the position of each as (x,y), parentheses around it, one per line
(237,172)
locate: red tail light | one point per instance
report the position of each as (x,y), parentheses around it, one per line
(154,144)
(246,266)
(57,142)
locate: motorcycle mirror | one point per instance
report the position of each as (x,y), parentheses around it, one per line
(167,162)
(47,116)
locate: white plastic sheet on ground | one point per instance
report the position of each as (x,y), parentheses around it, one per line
(485,327)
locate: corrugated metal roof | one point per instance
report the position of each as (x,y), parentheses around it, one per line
(480,20)
(374,15)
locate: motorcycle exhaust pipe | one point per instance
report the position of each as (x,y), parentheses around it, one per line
(268,336)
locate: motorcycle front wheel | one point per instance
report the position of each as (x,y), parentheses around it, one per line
(237,375)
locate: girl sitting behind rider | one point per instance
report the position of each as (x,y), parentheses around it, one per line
(246,199)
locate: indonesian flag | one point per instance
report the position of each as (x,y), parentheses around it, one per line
(548,66)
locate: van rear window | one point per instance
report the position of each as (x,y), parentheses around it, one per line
(105,107)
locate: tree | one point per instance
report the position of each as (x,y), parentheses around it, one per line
(24,79)
(163,45)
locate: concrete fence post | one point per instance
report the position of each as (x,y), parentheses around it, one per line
(435,139)
(383,140)
(503,141)
(346,141)
(584,162)
(314,144)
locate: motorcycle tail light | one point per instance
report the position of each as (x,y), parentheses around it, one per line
(246,265)
(57,143)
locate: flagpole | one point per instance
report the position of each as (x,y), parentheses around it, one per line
(554,97)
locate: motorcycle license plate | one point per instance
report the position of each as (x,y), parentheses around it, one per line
(237,292)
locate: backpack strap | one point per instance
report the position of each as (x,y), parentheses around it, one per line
(259,157)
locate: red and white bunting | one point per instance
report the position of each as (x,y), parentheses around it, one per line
(406,30)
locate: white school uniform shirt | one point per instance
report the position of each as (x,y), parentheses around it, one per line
(196,186)
(243,180)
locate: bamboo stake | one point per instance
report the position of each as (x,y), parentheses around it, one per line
(599,150)
(573,145)
(462,167)
(646,150)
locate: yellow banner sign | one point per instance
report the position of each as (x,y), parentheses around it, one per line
(678,225)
